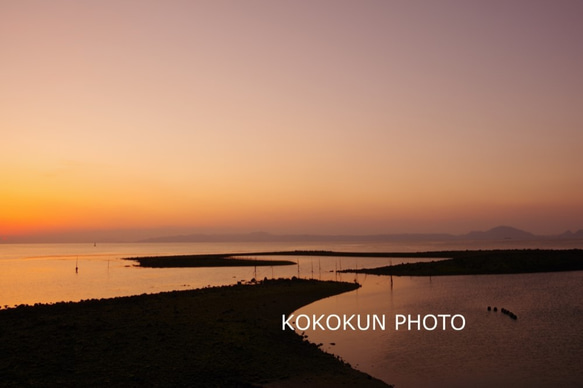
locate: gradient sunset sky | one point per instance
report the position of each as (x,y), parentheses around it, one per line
(153,117)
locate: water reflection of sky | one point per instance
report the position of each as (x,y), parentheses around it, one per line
(53,278)
(542,348)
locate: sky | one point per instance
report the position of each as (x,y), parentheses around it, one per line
(146,118)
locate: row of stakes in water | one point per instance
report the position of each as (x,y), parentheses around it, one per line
(504,311)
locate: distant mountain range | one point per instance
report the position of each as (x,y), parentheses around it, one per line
(494,234)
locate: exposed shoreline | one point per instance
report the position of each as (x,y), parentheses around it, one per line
(467,262)
(221,336)
(205,260)
(487,262)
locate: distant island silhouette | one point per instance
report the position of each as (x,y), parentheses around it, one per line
(96,237)
(497,233)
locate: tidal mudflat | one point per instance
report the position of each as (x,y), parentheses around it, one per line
(207,260)
(483,262)
(466,262)
(221,336)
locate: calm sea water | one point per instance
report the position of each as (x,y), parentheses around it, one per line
(45,273)
(544,347)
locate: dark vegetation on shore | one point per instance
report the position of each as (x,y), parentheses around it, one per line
(212,260)
(223,336)
(483,262)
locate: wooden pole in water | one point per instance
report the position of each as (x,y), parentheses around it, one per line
(298,261)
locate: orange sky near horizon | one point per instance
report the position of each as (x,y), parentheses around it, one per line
(290,117)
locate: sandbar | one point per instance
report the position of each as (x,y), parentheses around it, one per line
(226,336)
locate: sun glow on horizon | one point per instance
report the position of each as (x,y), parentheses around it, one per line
(371,118)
